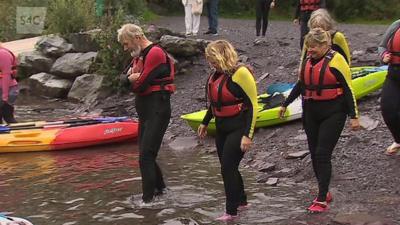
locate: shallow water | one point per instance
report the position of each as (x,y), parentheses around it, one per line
(93,186)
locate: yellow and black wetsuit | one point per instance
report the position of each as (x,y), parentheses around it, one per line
(229,133)
(324,120)
(339,44)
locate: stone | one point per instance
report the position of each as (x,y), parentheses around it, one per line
(297,155)
(267,167)
(273,181)
(184,143)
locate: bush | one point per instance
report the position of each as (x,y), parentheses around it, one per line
(70,16)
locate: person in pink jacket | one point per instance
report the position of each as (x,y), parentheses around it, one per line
(8,85)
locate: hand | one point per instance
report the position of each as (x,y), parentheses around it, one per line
(245,144)
(354,124)
(296,21)
(133,77)
(387,57)
(202,131)
(282,112)
(272,5)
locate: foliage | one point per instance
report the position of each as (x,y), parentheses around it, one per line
(70,16)
(111,58)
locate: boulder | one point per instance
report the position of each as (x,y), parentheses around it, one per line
(89,88)
(48,85)
(72,65)
(53,46)
(33,62)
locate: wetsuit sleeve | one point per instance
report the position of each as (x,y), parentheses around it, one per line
(296,92)
(207,117)
(245,80)
(382,49)
(340,45)
(6,61)
(154,67)
(341,70)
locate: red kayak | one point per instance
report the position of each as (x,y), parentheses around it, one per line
(68,136)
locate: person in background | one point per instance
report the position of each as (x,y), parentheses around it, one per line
(8,85)
(320,18)
(232,96)
(151,78)
(192,16)
(389,52)
(328,98)
(262,12)
(212,13)
(304,9)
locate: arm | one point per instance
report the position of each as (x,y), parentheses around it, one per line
(5,68)
(247,86)
(297,12)
(322,4)
(296,92)
(207,117)
(382,48)
(341,70)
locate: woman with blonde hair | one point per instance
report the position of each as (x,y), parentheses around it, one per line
(322,19)
(193,10)
(325,85)
(232,96)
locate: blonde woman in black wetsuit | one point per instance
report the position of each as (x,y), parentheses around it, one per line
(325,85)
(232,95)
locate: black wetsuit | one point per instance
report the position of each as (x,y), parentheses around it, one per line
(323,121)
(390,99)
(229,133)
(262,12)
(154,111)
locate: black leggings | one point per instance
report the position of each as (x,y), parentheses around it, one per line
(323,123)
(228,138)
(390,105)
(262,12)
(304,18)
(154,113)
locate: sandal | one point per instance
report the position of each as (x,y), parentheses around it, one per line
(393,149)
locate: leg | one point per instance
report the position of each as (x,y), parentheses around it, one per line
(152,136)
(265,17)
(188,18)
(209,11)
(259,6)
(213,16)
(196,24)
(231,157)
(329,133)
(311,128)
(390,107)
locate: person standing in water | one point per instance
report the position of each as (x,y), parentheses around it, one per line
(232,96)
(151,78)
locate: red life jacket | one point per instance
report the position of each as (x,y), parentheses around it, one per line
(309,5)
(393,47)
(319,82)
(158,84)
(13,65)
(223,102)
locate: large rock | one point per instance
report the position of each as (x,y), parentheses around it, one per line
(33,62)
(182,47)
(48,85)
(53,46)
(89,88)
(72,65)
(84,41)
(154,33)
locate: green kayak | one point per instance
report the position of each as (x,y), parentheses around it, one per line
(365,80)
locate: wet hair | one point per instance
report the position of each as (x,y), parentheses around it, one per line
(222,54)
(317,36)
(321,18)
(129,31)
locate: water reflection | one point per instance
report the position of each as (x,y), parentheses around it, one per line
(93,186)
